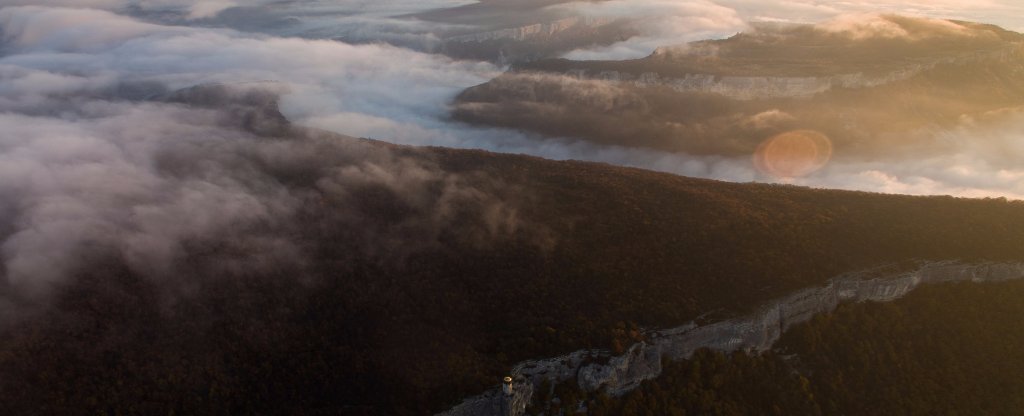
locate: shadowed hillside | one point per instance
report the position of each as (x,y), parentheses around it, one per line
(944,349)
(417,276)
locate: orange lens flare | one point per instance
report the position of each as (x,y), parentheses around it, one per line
(793,154)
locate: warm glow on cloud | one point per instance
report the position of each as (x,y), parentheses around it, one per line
(793,154)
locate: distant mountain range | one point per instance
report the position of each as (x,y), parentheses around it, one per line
(889,86)
(506,32)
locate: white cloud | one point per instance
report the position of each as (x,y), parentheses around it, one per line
(659,22)
(80,165)
(1002,12)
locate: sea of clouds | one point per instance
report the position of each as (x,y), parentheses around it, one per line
(87,139)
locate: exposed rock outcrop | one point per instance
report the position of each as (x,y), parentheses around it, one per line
(533,30)
(763,87)
(598,369)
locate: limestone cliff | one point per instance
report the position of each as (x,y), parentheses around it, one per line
(764,87)
(598,369)
(532,30)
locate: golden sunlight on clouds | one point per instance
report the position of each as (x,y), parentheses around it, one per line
(793,154)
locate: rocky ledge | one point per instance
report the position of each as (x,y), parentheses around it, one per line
(599,369)
(765,87)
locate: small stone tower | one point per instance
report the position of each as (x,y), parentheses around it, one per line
(506,397)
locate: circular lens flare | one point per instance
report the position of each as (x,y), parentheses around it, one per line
(793,154)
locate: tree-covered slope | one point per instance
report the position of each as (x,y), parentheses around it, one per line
(418,276)
(943,349)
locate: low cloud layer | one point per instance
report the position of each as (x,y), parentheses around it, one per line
(324,78)
(159,183)
(98,155)
(157,144)
(352,89)
(659,22)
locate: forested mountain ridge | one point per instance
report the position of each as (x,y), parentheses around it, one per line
(603,373)
(414,286)
(889,89)
(944,349)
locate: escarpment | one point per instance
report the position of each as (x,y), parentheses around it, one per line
(599,370)
(752,87)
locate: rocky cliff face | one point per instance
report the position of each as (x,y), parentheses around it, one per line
(532,31)
(764,87)
(495,402)
(598,369)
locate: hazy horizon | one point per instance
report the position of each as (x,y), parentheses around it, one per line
(401,95)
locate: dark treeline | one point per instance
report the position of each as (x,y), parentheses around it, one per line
(944,349)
